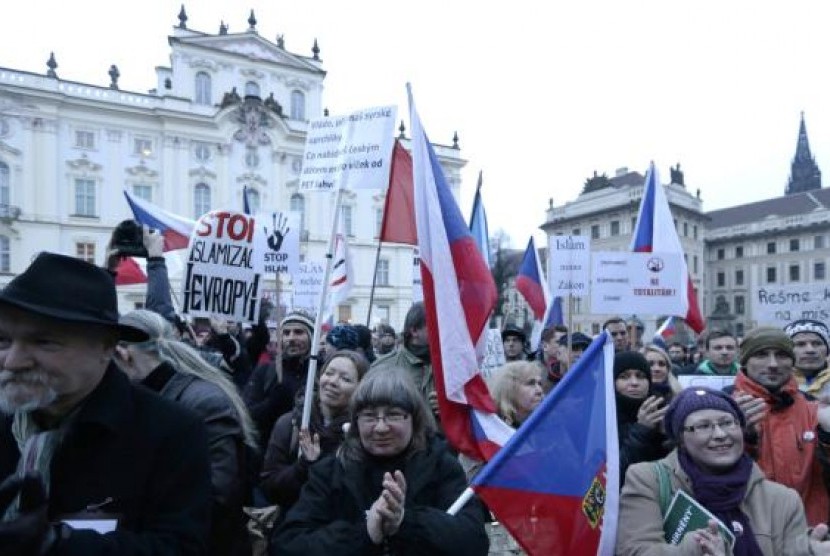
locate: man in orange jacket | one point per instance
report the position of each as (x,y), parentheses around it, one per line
(783,432)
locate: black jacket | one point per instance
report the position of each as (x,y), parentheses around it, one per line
(637,442)
(330,516)
(148,455)
(270,393)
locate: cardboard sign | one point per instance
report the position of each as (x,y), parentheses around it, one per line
(779,305)
(641,283)
(350,152)
(279,242)
(494,353)
(569,265)
(715,382)
(223,274)
(308,285)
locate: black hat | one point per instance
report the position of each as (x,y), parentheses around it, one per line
(627,360)
(513,330)
(69,289)
(577,339)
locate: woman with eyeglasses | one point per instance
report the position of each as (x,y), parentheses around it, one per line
(663,382)
(291,451)
(709,464)
(388,488)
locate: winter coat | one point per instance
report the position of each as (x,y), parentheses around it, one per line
(284,471)
(270,392)
(133,454)
(330,516)
(774,511)
(226,445)
(785,447)
(637,442)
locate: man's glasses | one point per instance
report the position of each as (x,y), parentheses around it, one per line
(370,419)
(707,428)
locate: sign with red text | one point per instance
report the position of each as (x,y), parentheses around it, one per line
(223,273)
(637,283)
(352,151)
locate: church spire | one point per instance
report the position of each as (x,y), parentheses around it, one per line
(804,173)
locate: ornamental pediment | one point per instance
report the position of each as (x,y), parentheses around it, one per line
(142,171)
(202,173)
(250,177)
(252,47)
(83,164)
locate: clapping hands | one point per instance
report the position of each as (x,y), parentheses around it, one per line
(385,516)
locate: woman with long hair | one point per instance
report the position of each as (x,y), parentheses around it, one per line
(291,451)
(177,372)
(663,381)
(389,487)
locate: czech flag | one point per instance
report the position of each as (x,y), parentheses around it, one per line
(175,229)
(555,484)
(655,232)
(459,294)
(531,282)
(478,225)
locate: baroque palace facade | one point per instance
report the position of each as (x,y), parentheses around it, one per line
(230,112)
(738,256)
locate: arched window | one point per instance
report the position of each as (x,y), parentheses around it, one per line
(201,199)
(297,105)
(297,205)
(5,196)
(251,89)
(253,200)
(202,95)
(5,254)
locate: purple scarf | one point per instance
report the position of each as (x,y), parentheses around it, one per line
(722,495)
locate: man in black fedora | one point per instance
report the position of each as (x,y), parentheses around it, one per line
(89,463)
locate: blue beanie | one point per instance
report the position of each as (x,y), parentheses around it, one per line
(343,336)
(694,399)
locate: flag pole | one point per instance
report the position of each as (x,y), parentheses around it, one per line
(570,332)
(460,501)
(318,319)
(374,282)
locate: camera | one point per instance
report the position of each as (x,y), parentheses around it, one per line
(128,239)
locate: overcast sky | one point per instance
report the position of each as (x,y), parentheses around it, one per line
(540,93)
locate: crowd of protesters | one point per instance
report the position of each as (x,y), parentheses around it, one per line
(146,434)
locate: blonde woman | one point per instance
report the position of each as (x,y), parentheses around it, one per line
(663,381)
(517,390)
(177,372)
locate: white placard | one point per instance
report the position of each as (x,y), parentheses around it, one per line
(644,283)
(780,305)
(279,242)
(223,276)
(715,382)
(569,265)
(494,353)
(308,285)
(350,152)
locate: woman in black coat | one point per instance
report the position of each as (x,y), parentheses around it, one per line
(291,451)
(388,488)
(638,413)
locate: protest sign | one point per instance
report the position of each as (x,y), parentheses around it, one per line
(224,268)
(780,305)
(715,382)
(569,265)
(685,515)
(643,283)
(279,241)
(308,285)
(493,354)
(349,152)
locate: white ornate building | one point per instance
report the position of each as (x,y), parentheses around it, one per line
(230,111)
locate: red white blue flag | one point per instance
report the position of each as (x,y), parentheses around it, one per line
(555,484)
(531,283)
(656,233)
(459,294)
(175,229)
(667,329)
